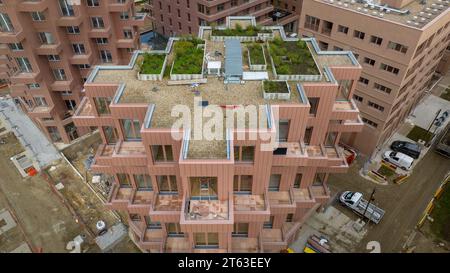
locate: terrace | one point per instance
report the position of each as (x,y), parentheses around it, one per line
(207,210)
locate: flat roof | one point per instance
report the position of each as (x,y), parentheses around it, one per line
(233,58)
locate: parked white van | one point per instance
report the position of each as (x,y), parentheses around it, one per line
(399,159)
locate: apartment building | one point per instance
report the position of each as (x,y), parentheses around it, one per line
(176,17)
(399,43)
(251,187)
(48,49)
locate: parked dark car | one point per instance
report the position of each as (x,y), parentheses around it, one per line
(407,148)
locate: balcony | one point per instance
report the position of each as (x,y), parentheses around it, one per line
(166,206)
(141,202)
(303,197)
(151,238)
(4,49)
(86,58)
(49,49)
(177,245)
(119,7)
(122,153)
(40,111)
(62,85)
(334,156)
(126,43)
(204,211)
(345,126)
(290,154)
(119,198)
(251,207)
(321,193)
(67,21)
(100,32)
(272,239)
(245,245)
(138,19)
(32,5)
(12,37)
(344,110)
(281,201)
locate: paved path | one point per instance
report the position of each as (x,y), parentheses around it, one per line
(404,204)
(28,134)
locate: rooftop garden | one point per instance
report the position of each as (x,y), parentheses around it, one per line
(292,58)
(151,63)
(238,30)
(188,57)
(275,87)
(256,53)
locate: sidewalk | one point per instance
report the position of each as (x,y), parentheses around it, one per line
(31,138)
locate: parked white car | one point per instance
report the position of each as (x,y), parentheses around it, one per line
(401,160)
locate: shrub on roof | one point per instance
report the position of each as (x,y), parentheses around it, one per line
(188,57)
(292,58)
(151,63)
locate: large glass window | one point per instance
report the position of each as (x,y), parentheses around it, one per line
(240,230)
(206,240)
(5,23)
(102,105)
(274,182)
(143,182)
(124,180)
(54,134)
(162,153)
(203,187)
(24,64)
(174,230)
(244,153)
(66,8)
(151,224)
(97,22)
(242,184)
(59,74)
(131,129)
(106,56)
(268,224)
(167,184)
(283,130)
(298,180)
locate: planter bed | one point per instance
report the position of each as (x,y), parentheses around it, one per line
(188,63)
(273,90)
(151,67)
(256,57)
(293,61)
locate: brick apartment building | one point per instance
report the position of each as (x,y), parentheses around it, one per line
(48,49)
(232,194)
(399,44)
(175,17)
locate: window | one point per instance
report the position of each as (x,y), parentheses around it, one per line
(46,38)
(189,17)
(93,3)
(314,102)
(357,98)
(274,182)
(66,93)
(369,61)
(178,13)
(389,68)
(54,134)
(128,33)
(105,56)
(53,58)
(289,217)
(342,29)
(376,106)
(101,41)
(131,129)
(269,224)
(298,180)
(206,240)
(15,46)
(24,64)
(244,153)
(167,184)
(78,49)
(124,15)
(240,230)
(33,85)
(66,8)
(369,122)
(382,88)
(327,27)
(124,180)
(363,80)
(135,217)
(40,101)
(336,48)
(234,3)
(376,40)
(162,153)
(97,22)
(73,30)
(37,16)
(84,66)
(242,184)
(151,224)
(358,34)
(174,230)
(70,104)
(220,7)
(312,23)
(59,74)
(5,23)
(323,46)
(308,135)
(102,105)
(143,182)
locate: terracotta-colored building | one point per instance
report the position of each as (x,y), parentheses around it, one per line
(240,192)
(176,17)
(48,49)
(399,43)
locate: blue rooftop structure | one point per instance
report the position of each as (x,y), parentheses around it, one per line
(233,61)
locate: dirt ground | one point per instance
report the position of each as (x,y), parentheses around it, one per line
(404,203)
(45,222)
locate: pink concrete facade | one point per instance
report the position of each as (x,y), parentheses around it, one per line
(48,48)
(177,17)
(399,55)
(263,200)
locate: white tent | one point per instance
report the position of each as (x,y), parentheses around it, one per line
(214,67)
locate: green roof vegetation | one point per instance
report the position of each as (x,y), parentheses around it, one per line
(292,58)
(441,215)
(446,94)
(256,53)
(188,57)
(276,87)
(417,133)
(151,63)
(239,31)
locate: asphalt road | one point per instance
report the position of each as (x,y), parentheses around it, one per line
(404,204)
